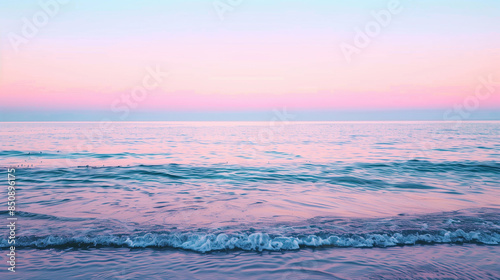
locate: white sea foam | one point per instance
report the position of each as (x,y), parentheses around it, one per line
(256,241)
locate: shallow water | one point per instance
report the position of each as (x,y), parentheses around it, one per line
(227,199)
(415,262)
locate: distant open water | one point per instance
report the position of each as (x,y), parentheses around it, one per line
(252,187)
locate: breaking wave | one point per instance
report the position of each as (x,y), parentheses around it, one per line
(257,241)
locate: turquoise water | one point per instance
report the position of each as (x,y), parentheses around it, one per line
(184,200)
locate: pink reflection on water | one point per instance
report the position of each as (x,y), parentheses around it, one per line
(238,145)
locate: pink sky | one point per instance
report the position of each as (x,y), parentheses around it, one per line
(257,59)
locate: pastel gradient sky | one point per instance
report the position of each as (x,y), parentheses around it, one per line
(262,55)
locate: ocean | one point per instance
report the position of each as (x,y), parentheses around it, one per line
(253,200)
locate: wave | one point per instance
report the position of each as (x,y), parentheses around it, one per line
(476,226)
(256,241)
(394,175)
(78,160)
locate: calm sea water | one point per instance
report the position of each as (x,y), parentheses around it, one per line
(255,200)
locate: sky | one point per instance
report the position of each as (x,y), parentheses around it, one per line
(241,59)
